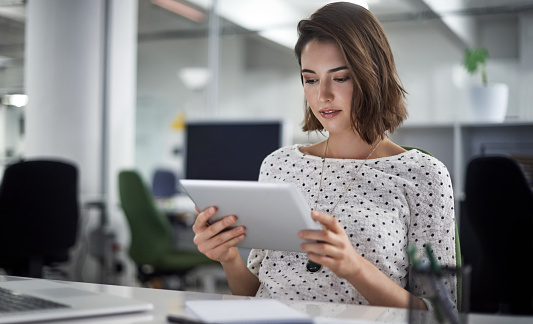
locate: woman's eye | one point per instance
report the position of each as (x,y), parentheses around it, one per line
(310,81)
(343,79)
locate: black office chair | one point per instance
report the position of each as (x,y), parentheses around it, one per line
(38,215)
(499,208)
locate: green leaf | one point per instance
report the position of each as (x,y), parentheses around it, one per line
(475,59)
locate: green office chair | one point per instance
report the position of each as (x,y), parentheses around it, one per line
(458,257)
(151,237)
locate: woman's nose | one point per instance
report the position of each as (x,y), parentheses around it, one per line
(324,92)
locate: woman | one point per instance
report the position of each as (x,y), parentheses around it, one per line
(372,197)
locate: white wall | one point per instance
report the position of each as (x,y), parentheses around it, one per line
(425,57)
(429,64)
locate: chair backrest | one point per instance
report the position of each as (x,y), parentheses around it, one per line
(499,206)
(151,232)
(164,183)
(39,209)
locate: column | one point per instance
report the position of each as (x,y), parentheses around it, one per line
(80,79)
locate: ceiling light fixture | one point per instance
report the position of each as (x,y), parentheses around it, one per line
(194,78)
(275,20)
(17,100)
(181,9)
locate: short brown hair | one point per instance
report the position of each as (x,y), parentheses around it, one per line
(378,97)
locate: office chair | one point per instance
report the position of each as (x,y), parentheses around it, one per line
(151,237)
(38,215)
(499,207)
(164,189)
(458,254)
(164,183)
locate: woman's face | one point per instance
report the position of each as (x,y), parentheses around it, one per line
(328,86)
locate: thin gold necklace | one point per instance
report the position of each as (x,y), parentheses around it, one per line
(349,184)
(310,265)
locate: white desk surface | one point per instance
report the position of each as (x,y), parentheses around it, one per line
(170,301)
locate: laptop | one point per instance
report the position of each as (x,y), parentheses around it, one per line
(47,300)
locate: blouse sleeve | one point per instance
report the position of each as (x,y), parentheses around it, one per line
(432,221)
(255,258)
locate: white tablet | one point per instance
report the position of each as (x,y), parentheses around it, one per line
(273,213)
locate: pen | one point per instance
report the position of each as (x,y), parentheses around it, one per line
(183,320)
(435,267)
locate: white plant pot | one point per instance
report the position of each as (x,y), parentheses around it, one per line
(489,103)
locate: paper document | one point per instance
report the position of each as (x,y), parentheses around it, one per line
(245,311)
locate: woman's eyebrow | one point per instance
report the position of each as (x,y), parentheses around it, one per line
(340,68)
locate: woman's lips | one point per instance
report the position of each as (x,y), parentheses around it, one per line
(329,113)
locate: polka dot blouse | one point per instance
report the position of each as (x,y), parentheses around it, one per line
(394,202)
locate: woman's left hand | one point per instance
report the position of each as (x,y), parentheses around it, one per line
(333,249)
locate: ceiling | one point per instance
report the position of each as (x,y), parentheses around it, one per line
(158,23)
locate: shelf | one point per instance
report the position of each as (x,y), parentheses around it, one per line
(507,123)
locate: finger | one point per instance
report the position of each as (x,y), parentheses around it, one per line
(324,235)
(221,225)
(327,221)
(315,235)
(206,243)
(324,260)
(223,248)
(230,238)
(323,249)
(202,219)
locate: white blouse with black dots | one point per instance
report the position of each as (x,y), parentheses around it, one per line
(394,202)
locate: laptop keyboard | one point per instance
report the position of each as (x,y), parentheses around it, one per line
(11,302)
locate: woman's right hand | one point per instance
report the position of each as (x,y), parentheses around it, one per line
(215,240)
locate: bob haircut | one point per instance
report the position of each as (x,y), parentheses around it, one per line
(378,97)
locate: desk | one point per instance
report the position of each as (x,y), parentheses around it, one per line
(169,301)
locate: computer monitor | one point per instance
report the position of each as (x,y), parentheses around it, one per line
(230,150)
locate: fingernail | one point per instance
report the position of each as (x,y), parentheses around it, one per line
(229,220)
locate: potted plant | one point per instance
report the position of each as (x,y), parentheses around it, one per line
(488,100)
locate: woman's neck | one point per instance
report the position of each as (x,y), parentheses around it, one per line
(349,147)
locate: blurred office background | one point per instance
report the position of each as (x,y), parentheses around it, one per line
(113,84)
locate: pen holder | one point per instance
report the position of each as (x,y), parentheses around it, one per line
(443,311)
